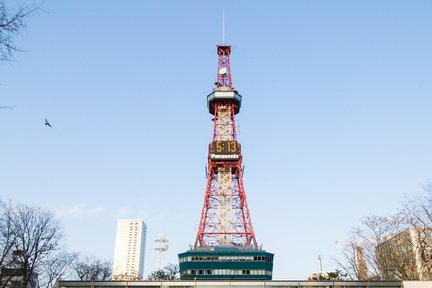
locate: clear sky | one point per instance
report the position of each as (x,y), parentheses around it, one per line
(335,123)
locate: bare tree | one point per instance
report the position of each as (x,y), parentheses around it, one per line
(12,23)
(29,237)
(38,236)
(93,269)
(365,239)
(56,267)
(170,272)
(350,261)
(417,213)
(7,242)
(396,247)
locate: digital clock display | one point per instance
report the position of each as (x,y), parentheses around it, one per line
(225,150)
(225,147)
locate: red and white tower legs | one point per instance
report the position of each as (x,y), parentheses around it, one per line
(225,230)
(225,217)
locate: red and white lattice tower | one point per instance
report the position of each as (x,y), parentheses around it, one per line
(225,217)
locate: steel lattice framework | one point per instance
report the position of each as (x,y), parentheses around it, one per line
(225,216)
(224,79)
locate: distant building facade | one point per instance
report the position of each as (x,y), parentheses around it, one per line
(129,252)
(14,278)
(407,255)
(14,274)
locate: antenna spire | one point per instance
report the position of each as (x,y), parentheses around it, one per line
(223,26)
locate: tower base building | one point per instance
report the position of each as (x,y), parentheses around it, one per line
(225,262)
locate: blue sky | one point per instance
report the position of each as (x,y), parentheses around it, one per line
(334,126)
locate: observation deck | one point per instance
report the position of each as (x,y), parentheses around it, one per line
(221,95)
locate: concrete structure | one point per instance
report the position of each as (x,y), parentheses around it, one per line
(245,284)
(406,255)
(129,249)
(361,263)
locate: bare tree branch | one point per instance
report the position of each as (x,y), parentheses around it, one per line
(57,267)
(12,23)
(396,247)
(170,272)
(93,269)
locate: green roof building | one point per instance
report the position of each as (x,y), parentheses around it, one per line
(226,263)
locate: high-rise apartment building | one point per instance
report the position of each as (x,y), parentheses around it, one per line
(129,249)
(407,255)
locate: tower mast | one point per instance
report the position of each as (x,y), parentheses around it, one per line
(225,216)
(225,245)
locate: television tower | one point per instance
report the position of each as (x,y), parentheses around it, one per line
(225,245)
(225,216)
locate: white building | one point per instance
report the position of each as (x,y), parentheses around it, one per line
(129,249)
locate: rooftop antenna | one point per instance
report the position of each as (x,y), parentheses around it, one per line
(223,26)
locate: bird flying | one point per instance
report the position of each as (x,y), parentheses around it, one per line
(47,123)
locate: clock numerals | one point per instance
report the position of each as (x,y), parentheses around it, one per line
(225,147)
(232,147)
(219,146)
